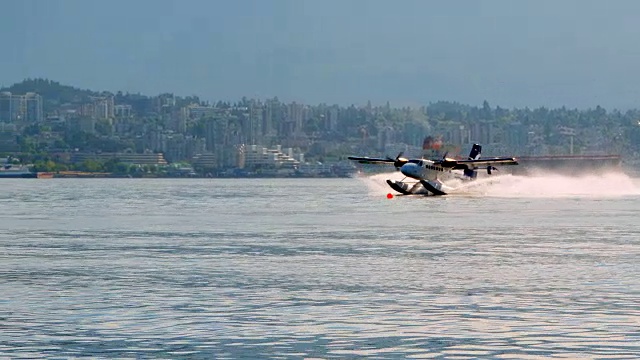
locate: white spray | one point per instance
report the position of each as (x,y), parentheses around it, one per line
(536,185)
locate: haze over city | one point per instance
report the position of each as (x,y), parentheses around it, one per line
(513,54)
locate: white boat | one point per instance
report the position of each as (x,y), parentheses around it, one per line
(9,170)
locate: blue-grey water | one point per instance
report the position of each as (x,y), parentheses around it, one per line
(318,268)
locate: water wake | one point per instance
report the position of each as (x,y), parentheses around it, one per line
(554,185)
(537,185)
(377,183)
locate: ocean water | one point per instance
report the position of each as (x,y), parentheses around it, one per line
(507,268)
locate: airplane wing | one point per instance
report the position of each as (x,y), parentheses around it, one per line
(370,160)
(489,161)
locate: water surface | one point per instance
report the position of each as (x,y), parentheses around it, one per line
(317,268)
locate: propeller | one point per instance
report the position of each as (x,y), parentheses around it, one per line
(399,160)
(447,162)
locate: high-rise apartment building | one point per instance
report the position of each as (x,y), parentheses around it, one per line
(18,109)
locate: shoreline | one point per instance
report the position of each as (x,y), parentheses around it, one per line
(112,176)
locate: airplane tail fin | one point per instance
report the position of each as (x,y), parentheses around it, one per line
(475,152)
(476,149)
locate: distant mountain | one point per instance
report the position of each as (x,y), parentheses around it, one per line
(55,94)
(52,92)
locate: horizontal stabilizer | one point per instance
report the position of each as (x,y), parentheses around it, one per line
(489,161)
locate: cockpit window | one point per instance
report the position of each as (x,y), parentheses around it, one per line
(416,161)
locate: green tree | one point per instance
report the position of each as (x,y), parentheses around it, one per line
(122,168)
(45,166)
(91,165)
(110,165)
(103,127)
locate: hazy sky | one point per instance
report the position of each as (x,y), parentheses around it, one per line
(577,53)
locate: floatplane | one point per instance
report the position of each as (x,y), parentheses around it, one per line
(427,175)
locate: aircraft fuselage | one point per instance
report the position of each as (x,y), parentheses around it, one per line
(422,169)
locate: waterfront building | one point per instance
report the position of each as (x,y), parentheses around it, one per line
(255,156)
(20,109)
(195,111)
(180,147)
(516,138)
(454,133)
(122,111)
(100,107)
(483,132)
(205,160)
(147,158)
(331,123)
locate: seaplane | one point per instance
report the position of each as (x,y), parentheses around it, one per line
(427,175)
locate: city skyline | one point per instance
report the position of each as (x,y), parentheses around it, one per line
(571,53)
(59,127)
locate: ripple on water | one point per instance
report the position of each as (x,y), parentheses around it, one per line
(213,275)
